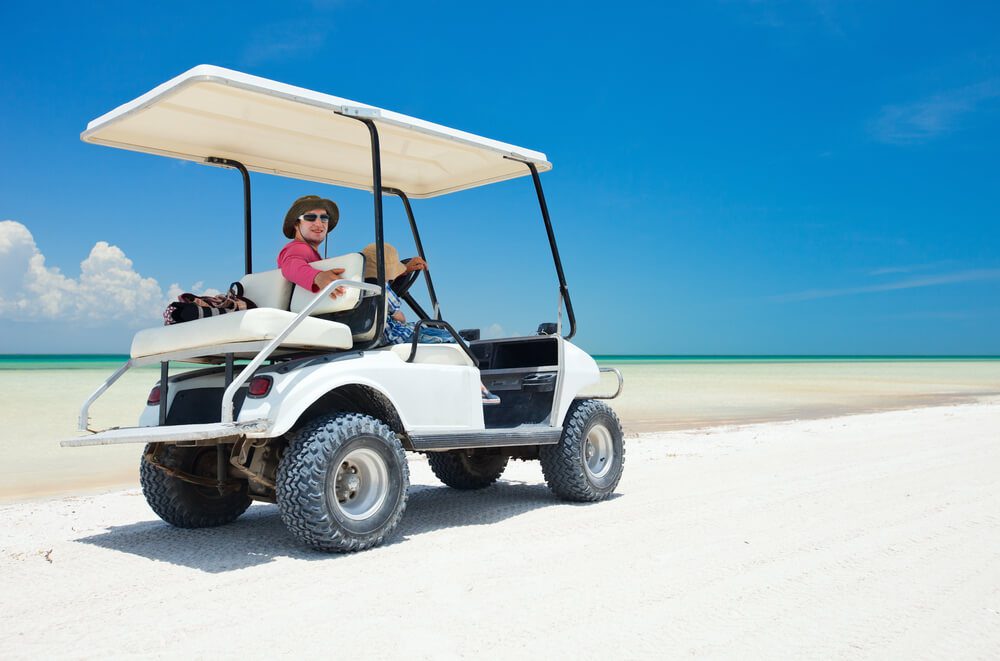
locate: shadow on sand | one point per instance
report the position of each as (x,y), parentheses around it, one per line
(259,536)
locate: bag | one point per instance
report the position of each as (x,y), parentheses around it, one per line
(189,307)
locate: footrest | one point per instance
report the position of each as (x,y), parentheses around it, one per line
(214,431)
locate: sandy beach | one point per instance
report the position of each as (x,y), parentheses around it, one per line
(863,536)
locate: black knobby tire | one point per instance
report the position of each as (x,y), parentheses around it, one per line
(467,469)
(342,482)
(586,464)
(184,504)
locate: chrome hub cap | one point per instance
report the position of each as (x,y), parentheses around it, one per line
(360,485)
(598,451)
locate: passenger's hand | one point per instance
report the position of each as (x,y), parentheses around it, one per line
(399,316)
(416,264)
(323,278)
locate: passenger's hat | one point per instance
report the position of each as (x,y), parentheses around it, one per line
(393,267)
(305,204)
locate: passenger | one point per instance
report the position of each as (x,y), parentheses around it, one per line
(397,330)
(307,224)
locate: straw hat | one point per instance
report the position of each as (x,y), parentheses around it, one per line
(393,267)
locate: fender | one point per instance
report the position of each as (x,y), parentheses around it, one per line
(419,408)
(579,370)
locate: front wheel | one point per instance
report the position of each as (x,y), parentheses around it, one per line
(342,482)
(586,464)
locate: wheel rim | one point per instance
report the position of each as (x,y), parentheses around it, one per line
(360,485)
(598,451)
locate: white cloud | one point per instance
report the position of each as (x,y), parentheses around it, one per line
(493,331)
(922,120)
(108,288)
(284,40)
(911,283)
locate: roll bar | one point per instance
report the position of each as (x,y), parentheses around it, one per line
(247,240)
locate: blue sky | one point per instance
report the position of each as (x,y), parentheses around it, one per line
(732,177)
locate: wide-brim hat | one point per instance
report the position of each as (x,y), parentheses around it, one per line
(393,267)
(308,203)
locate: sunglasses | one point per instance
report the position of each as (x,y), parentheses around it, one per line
(312,217)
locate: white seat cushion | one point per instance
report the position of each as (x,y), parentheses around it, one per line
(354,268)
(434,354)
(267,289)
(245,326)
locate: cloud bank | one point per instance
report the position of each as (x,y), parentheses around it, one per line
(109,288)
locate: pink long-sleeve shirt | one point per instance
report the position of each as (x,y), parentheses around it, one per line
(293,260)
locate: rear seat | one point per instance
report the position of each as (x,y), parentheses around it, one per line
(278,302)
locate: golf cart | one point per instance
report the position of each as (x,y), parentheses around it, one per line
(298,403)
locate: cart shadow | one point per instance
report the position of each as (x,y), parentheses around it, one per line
(259,536)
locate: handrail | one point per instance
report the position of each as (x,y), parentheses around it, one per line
(247,372)
(437,323)
(81,423)
(621,383)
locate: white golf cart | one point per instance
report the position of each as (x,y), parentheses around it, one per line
(299,404)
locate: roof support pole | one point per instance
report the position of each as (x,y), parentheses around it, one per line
(247,240)
(420,247)
(379,235)
(563,290)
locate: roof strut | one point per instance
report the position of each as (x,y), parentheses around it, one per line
(563,290)
(379,236)
(420,247)
(229,163)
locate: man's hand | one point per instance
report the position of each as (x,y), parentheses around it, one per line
(323,278)
(399,316)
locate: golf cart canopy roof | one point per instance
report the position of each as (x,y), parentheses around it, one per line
(280,129)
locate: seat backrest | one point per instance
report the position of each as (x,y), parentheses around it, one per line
(270,289)
(354,269)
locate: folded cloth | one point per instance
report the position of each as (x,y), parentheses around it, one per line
(189,307)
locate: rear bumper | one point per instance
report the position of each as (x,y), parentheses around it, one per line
(210,434)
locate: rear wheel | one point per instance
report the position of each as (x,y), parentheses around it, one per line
(587,463)
(467,469)
(342,482)
(182,503)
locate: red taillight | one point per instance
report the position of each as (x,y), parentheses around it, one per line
(260,386)
(154,396)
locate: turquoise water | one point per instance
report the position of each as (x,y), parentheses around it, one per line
(70,361)
(112,361)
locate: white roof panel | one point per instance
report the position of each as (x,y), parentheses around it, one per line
(294,132)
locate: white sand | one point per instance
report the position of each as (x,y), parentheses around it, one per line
(870,536)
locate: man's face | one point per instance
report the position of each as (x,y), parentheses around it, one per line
(312,232)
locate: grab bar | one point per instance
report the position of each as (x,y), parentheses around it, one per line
(621,383)
(437,323)
(247,372)
(84,419)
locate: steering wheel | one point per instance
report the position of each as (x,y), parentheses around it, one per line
(403,283)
